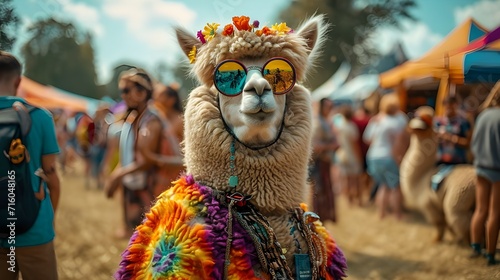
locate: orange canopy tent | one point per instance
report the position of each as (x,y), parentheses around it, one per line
(49,98)
(442,63)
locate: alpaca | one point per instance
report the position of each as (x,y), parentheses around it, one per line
(452,205)
(238,212)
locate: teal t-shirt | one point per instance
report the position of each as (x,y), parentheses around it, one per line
(41,140)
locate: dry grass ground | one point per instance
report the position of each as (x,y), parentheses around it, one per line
(388,249)
(391,249)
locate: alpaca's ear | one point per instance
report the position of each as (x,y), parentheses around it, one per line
(313,32)
(186,40)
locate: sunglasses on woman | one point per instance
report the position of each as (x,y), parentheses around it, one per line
(125,90)
(230,76)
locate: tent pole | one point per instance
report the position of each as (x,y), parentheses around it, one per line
(403,97)
(444,87)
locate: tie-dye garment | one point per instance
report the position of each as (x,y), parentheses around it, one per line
(184,237)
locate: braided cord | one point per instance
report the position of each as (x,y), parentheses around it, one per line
(306,234)
(317,247)
(229,240)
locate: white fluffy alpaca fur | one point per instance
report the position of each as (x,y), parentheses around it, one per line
(275,176)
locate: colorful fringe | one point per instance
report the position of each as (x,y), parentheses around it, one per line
(184,237)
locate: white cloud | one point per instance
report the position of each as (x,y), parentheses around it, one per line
(26,22)
(149,20)
(486,13)
(22,36)
(416,37)
(85,15)
(103,72)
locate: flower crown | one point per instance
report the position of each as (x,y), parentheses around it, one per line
(241,23)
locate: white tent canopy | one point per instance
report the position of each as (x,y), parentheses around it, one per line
(357,89)
(332,84)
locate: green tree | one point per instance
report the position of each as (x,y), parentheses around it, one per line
(58,54)
(8,23)
(352,22)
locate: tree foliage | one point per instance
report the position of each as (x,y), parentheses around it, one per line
(8,23)
(352,22)
(58,54)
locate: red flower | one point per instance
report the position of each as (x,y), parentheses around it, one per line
(228,30)
(267,31)
(242,23)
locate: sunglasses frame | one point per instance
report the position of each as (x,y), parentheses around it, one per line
(126,90)
(252,67)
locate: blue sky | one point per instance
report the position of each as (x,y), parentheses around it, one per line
(140,32)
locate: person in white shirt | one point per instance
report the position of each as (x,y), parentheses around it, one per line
(383,134)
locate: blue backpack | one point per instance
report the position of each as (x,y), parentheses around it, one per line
(19,206)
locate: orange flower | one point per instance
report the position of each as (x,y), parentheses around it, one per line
(267,31)
(228,30)
(242,23)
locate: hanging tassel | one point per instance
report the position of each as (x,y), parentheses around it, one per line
(233,179)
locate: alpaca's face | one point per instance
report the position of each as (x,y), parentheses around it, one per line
(421,126)
(250,74)
(256,114)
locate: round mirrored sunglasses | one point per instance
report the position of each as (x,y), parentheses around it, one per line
(230,76)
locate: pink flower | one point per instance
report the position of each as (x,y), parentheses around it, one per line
(201,37)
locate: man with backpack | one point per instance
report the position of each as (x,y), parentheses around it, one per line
(29,184)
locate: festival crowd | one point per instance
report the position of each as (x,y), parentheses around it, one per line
(132,149)
(358,153)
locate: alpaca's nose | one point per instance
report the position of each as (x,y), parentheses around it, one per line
(255,82)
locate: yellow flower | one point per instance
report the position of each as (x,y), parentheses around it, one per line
(192,55)
(281,28)
(210,30)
